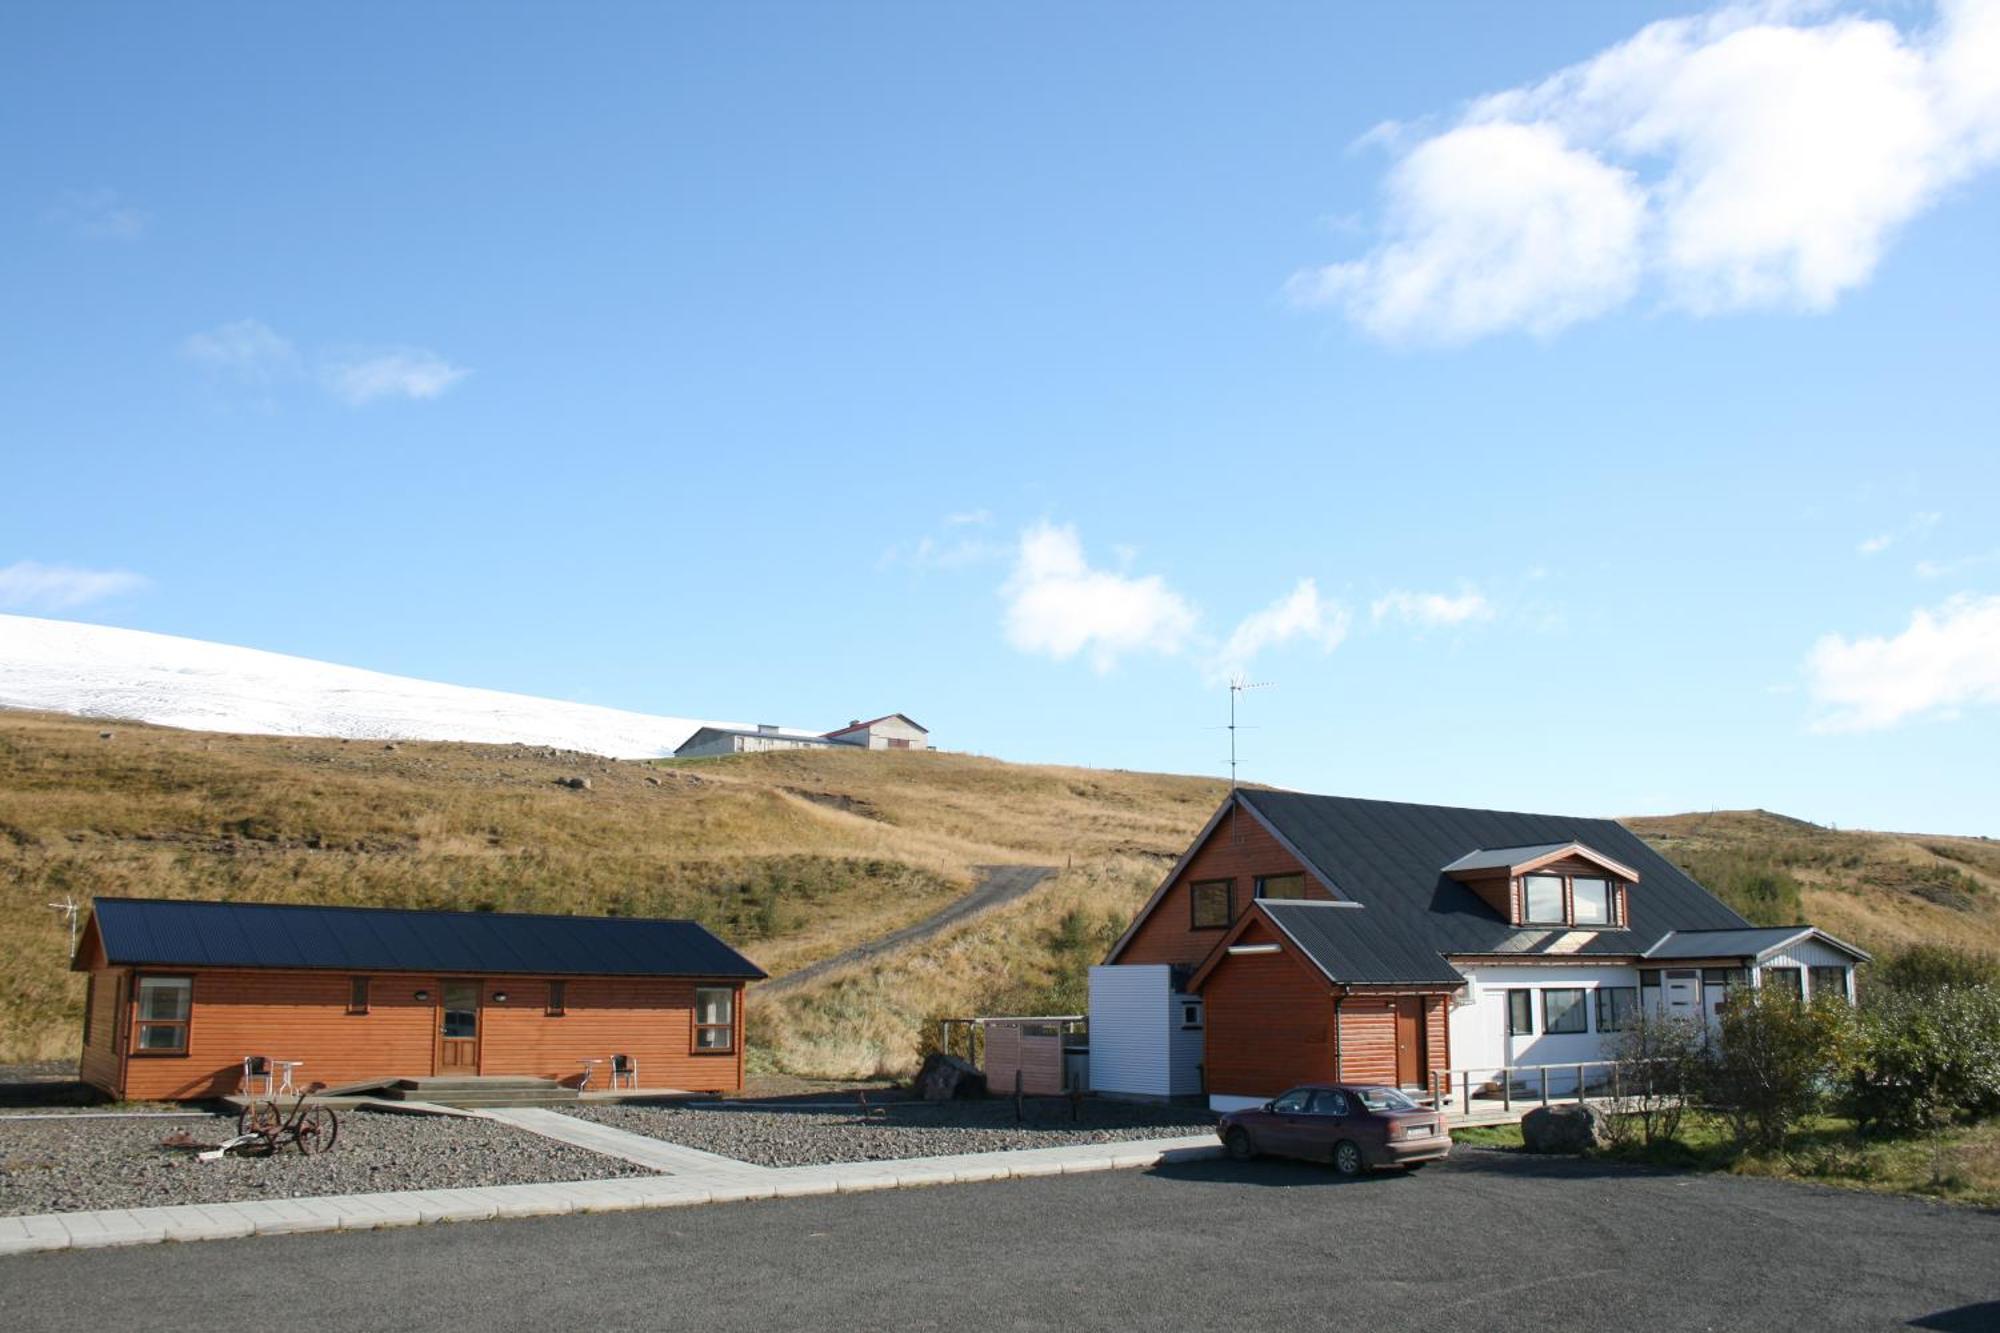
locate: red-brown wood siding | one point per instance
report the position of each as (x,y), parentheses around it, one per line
(1239,849)
(1269,1022)
(303,1016)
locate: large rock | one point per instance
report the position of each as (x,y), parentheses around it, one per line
(944,1077)
(1565,1129)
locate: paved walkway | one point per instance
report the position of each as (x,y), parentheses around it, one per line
(691,1182)
(638,1149)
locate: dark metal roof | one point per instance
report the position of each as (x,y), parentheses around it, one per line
(156,932)
(1751,943)
(1389,856)
(794,738)
(1505,858)
(1354,948)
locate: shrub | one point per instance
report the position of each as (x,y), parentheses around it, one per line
(1657,1071)
(1773,1062)
(1925,1058)
(1923,968)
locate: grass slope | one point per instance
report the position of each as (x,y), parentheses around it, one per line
(791,856)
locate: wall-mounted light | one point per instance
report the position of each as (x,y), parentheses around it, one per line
(423,995)
(499,997)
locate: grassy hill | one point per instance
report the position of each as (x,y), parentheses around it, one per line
(793,857)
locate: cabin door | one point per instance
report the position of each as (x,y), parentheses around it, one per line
(457,1028)
(1409,1041)
(1683,993)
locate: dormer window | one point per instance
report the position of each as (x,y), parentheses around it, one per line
(1542,900)
(1563,885)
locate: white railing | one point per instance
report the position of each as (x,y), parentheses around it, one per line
(1503,1090)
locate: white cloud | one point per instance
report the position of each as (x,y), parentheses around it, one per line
(100,215)
(1302,614)
(247,348)
(1877,544)
(28,585)
(975,518)
(1059,607)
(1937,569)
(1432,609)
(1758,156)
(362,378)
(1946,659)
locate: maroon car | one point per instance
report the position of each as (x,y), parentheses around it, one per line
(1352,1125)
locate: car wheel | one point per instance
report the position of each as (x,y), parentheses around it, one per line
(1347,1158)
(1239,1145)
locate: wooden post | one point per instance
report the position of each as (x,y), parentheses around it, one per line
(1018,1117)
(1506,1088)
(1545,1085)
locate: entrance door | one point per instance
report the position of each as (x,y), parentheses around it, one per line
(458,1027)
(1683,994)
(1409,1041)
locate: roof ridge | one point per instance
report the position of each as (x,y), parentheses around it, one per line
(397,911)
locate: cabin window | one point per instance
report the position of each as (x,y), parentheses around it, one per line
(1563,1011)
(1544,894)
(1190,1016)
(165,1004)
(1617,1007)
(714,1018)
(556,997)
(357,995)
(1829,981)
(1592,901)
(1786,979)
(1281,887)
(1520,1013)
(1209,905)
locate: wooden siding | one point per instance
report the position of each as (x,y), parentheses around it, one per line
(1269,1022)
(1039,1061)
(1239,849)
(303,1016)
(1497,892)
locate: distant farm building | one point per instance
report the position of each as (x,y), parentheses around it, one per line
(892,732)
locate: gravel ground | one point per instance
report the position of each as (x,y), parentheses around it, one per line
(53,1165)
(809,1137)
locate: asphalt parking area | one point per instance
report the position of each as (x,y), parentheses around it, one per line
(1485,1241)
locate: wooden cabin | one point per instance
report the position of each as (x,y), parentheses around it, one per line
(181,992)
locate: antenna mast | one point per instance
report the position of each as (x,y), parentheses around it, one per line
(1237,685)
(69,908)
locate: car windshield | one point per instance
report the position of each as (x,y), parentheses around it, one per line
(1384,1099)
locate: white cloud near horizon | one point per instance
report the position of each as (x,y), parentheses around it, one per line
(405,372)
(1058,606)
(1759,156)
(1946,659)
(31,585)
(1432,610)
(1302,614)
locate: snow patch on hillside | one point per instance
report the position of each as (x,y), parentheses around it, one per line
(62,666)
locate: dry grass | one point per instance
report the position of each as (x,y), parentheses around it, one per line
(791,856)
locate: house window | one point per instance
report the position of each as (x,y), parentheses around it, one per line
(1520,1013)
(1191,1016)
(558,993)
(714,1018)
(1592,901)
(1830,982)
(1617,1007)
(1729,978)
(1281,887)
(357,995)
(165,1004)
(1563,1011)
(1209,903)
(1544,895)
(1786,979)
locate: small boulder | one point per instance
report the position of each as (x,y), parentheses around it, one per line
(1565,1129)
(390,746)
(106,735)
(652,782)
(574,784)
(945,1077)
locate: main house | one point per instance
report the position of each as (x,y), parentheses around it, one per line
(1313,938)
(181,992)
(892,731)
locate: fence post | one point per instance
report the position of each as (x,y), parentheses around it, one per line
(1465,1102)
(1017,1096)
(1579,1085)
(1506,1088)
(1545,1085)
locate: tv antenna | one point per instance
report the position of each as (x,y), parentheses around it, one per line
(1239,685)
(69,908)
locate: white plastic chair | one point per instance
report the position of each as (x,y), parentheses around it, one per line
(625,1067)
(256,1070)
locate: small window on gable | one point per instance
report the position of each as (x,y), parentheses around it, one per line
(1281,887)
(1209,906)
(357,995)
(1542,899)
(558,993)
(1190,1015)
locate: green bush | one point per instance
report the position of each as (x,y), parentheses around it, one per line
(1773,1063)
(1925,1058)
(1659,1067)
(1923,968)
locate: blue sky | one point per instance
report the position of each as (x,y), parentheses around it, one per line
(1584,407)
